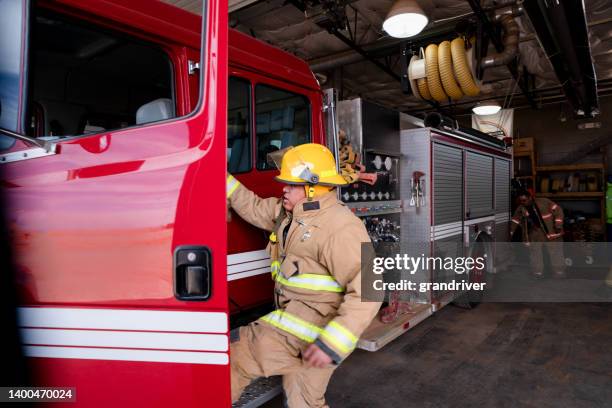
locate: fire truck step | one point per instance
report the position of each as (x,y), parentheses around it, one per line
(259,392)
(379,334)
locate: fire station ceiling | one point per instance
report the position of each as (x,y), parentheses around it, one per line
(362,60)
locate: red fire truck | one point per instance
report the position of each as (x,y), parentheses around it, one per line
(116,139)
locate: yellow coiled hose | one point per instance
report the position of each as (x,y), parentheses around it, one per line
(423,88)
(445,65)
(433,76)
(462,69)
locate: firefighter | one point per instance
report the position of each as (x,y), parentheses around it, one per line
(541,220)
(315,248)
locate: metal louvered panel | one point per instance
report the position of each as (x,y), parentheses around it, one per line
(447,184)
(502,186)
(479,185)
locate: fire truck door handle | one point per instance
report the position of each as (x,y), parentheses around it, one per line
(192,273)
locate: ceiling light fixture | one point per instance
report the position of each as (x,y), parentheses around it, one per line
(486,108)
(405,19)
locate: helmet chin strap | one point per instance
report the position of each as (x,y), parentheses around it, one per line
(311,178)
(310,191)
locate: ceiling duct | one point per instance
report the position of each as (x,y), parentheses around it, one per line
(488,31)
(510,41)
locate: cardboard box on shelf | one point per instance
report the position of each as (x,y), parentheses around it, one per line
(524,144)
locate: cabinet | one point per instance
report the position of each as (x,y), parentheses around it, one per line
(575,182)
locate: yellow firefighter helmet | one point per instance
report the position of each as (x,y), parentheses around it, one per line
(309,163)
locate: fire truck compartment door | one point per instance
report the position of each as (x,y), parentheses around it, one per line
(479,185)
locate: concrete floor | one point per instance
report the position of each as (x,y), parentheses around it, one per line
(497,355)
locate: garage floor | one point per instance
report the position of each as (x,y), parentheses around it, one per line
(497,355)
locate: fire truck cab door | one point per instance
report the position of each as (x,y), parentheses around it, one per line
(119,236)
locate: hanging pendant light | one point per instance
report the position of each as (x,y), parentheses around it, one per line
(405,19)
(486,108)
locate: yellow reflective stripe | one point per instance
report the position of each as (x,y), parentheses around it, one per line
(339,337)
(293,325)
(307,281)
(275,268)
(314,282)
(232,185)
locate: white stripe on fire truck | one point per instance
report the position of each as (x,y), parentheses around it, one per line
(246,264)
(122,319)
(90,353)
(125,339)
(246,274)
(247,257)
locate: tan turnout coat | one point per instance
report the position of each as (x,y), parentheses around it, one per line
(318,289)
(552,218)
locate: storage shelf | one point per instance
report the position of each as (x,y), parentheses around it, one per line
(584,194)
(572,167)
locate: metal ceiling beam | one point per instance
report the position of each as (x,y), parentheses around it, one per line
(563,34)
(388,46)
(332,28)
(364,54)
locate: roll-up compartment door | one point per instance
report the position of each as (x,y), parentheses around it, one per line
(447,184)
(502,186)
(479,185)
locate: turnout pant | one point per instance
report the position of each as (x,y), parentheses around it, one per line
(263,352)
(539,243)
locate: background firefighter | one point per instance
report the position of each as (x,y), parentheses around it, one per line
(541,221)
(315,248)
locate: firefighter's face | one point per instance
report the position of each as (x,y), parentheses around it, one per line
(525,200)
(292,195)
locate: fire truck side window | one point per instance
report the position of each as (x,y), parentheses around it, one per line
(86,80)
(11,16)
(282,120)
(238,126)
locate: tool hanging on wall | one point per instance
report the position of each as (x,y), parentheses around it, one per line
(417,198)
